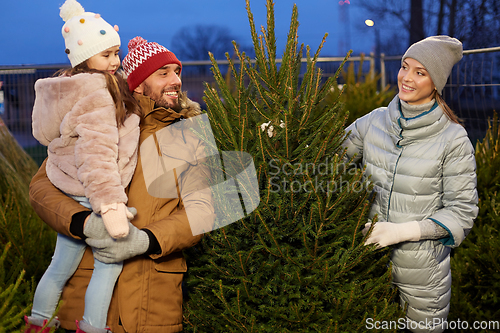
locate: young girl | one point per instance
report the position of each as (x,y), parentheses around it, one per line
(422,164)
(86,117)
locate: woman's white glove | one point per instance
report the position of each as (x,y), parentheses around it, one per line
(388,233)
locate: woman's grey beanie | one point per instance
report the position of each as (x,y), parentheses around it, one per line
(438,54)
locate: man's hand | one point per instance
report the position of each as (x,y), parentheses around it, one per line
(109,250)
(388,233)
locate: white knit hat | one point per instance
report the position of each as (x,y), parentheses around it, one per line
(438,54)
(85,34)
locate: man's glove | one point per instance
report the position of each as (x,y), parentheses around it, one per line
(109,250)
(94,227)
(388,233)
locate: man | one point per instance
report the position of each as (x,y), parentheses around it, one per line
(148,295)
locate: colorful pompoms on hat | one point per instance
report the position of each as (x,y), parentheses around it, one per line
(85,34)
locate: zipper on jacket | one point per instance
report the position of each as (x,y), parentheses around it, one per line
(394,172)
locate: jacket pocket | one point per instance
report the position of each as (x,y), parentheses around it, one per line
(440,252)
(173,263)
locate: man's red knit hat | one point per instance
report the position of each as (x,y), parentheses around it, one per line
(143,59)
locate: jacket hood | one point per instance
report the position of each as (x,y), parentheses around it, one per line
(55,97)
(153,116)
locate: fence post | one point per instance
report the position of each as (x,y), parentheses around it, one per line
(382,71)
(372,65)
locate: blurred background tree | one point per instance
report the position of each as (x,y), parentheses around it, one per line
(474,22)
(194,43)
(360,92)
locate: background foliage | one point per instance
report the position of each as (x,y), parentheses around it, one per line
(360,93)
(475,265)
(26,241)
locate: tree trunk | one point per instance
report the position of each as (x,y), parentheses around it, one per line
(442,3)
(453,13)
(416,21)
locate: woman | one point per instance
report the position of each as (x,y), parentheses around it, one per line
(422,164)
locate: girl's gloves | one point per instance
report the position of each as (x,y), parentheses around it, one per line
(388,233)
(115,217)
(94,226)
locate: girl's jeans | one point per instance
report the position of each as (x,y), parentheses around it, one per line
(66,258)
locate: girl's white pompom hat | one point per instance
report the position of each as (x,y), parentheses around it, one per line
(85,34)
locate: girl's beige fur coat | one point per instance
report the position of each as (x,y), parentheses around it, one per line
(88,155)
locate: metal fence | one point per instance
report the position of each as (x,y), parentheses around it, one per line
(472,90)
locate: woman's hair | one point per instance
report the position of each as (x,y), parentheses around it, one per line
(446,109)
(125,102)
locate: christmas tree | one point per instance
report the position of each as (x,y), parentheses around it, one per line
(30,241)
(297,263)
(11,313)
(475,265)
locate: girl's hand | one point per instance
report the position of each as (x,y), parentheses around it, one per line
(94,225)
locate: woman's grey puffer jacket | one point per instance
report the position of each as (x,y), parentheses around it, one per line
(422,168)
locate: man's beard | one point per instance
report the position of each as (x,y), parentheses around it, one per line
(160,100)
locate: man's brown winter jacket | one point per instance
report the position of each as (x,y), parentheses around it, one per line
(148,294)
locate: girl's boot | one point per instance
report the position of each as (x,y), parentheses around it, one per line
(34,325)
(84,327)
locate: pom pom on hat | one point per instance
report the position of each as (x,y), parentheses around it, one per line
(136,42)
(85,34)
(143,59)
(438,54)
(69,9)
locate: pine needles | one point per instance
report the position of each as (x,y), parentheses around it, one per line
(297,263)
(29,241)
